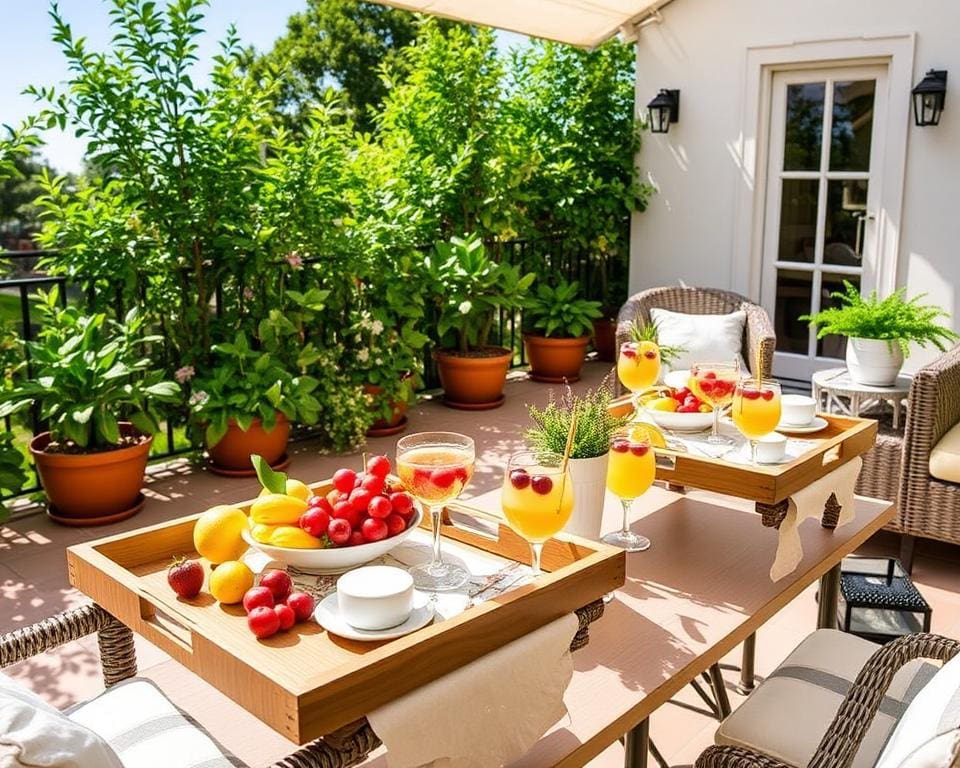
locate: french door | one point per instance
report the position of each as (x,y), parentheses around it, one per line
(822,190)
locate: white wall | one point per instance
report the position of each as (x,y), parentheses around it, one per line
(701,47)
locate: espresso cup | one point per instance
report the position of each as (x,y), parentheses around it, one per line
(771,448)
(375,597)
(797,410)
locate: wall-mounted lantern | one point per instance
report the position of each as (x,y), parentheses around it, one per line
(928,97)
(663,110)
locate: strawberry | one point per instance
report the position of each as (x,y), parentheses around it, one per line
(185,577)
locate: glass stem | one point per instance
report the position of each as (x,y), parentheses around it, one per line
(753,452)
(536,548)
(434,513)
(716,422)
(627,504)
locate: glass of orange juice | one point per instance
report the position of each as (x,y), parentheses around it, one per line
(756,410)
(714,384)
(537,498)
(630,473)
(434,468)
(638,367)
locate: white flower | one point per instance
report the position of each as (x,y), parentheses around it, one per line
(184,374)
(363,355)
(379,361)
(465,308)
(199,398)
(377,328)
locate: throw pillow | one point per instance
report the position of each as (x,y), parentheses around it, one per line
(702,338)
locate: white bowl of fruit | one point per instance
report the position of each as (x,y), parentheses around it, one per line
(679,410)
(332,527)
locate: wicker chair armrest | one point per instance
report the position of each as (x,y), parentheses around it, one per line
(760,338)
(845,734)
(720,756)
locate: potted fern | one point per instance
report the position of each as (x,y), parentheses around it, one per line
(559,323)
(589,452)
(879,331)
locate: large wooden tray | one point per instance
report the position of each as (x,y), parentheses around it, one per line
(843,439)
(306,683)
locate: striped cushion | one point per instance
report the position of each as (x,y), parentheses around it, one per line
(147,731)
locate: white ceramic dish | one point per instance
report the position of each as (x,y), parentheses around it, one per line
(335,559)
(680,422)
(677,379)
(375,597)
(327,615)
(816,425)
(797,409)
(772,448)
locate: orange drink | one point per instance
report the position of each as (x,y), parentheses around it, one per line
(638,365)
(714,384)
(630,473)
(756,410)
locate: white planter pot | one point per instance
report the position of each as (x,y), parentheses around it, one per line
(874,362)
(589,478)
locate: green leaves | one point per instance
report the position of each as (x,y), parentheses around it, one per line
(595,425)
(559,312)
(275,482)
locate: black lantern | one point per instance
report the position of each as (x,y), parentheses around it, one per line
(663,110)
(928,97)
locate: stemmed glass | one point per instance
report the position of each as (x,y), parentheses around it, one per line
(630,473)
(434,467)
(714,384)
(756,410)
(537,498)
(638,366)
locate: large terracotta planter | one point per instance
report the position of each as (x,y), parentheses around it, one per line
(232,454)
(605,339)
(473,381)
(92,488)
(555,360)
(398,414)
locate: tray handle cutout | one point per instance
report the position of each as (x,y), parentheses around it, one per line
(166,625)
(832,455)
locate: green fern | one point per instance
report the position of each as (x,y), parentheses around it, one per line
(893,319)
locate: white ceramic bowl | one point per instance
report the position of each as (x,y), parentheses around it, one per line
(375,597)
(335,559)
(680,422)
(772,448)
(797,410)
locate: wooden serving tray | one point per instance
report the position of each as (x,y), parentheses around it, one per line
(843,439)
(306,683)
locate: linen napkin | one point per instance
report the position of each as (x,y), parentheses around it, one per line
(487,713)
(809,502)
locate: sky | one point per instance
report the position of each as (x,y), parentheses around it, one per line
(28,57)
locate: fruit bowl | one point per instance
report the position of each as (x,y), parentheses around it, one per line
(680,422)
(334,559)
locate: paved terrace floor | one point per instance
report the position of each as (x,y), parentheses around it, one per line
(33,584)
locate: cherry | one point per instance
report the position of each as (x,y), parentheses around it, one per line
(443,478)
(519,479)
(541,484)
(710,375)
(751,394)
(639,450)
(767,394)
(360,499)
(374,484)
(339,531)
(343,480)
(620,445)
(379,466)
(380,506)
(356,538)
(650,354)
(402,503)
(707,386)
(628,351)
(374,529)
(396,524)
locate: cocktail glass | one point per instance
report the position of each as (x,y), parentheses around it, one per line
(638,366)
(434,468)
(714,384)
(756,410)
(630,473)
(537,498)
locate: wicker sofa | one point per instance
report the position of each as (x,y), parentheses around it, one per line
(758,335)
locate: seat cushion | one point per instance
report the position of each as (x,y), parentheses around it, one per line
(789,712)
(32,733)
(147,730)
(945,457)
(702,338)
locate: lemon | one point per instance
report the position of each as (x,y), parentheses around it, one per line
(295,488)
(663,404)
(277,509)
(648,432)
(229,581)
(216,535)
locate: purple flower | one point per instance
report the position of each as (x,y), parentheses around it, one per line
(295,260)
(184,374)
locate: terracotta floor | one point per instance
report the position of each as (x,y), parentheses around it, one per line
(33,584)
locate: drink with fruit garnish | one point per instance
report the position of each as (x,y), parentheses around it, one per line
(630,473)
(714,384)
(638,367)
(434,468)
(537,498)
(756,410)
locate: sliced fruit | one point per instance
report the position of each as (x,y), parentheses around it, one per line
(649,432)
(216,535)
(277,509)
(230,581)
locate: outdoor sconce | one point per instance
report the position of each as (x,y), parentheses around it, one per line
(663,110)
(928,97)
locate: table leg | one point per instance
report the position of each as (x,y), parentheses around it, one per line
(747,682)
(636,745)
(895,404)
(720,691)
(829,592)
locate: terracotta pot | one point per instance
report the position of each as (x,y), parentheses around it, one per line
(235,447)
(473,381)
(92,488)
(398,413)
(605,339)
(555,360)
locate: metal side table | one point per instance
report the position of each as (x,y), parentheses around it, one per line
(836,392)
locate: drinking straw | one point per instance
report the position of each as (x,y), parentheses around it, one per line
(569,446)
(759,364)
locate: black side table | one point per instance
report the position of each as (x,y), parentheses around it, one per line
(878,601)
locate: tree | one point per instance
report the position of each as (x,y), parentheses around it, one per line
(334,43)
(20,172)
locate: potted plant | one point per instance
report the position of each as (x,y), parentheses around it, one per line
(879,331)
(561,322)
(96,387)
(589,452)
(13,474)
(246,406)
(467,288)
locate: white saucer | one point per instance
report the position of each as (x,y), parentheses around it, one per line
(327,615)
(816,425)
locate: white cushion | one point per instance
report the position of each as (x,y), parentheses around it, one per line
(939,752)
(147,730)
(933,711)
(703,338)
(945,456)
(32,733)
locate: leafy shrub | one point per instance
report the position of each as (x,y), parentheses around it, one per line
(559,311)
(595,424)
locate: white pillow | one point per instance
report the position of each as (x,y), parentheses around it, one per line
(939,752)
(703,338)
(34,734)
(933,711)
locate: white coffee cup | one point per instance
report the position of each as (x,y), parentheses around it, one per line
(771,448)
(375,597)
(797,410)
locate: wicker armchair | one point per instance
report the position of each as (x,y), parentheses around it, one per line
(929,507)
(758,335)
(840,743)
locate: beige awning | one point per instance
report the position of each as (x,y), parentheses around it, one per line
(585,23)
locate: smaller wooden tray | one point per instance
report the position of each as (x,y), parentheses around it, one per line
(843,439)
(306,683)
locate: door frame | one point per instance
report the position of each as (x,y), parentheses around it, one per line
(751,149)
